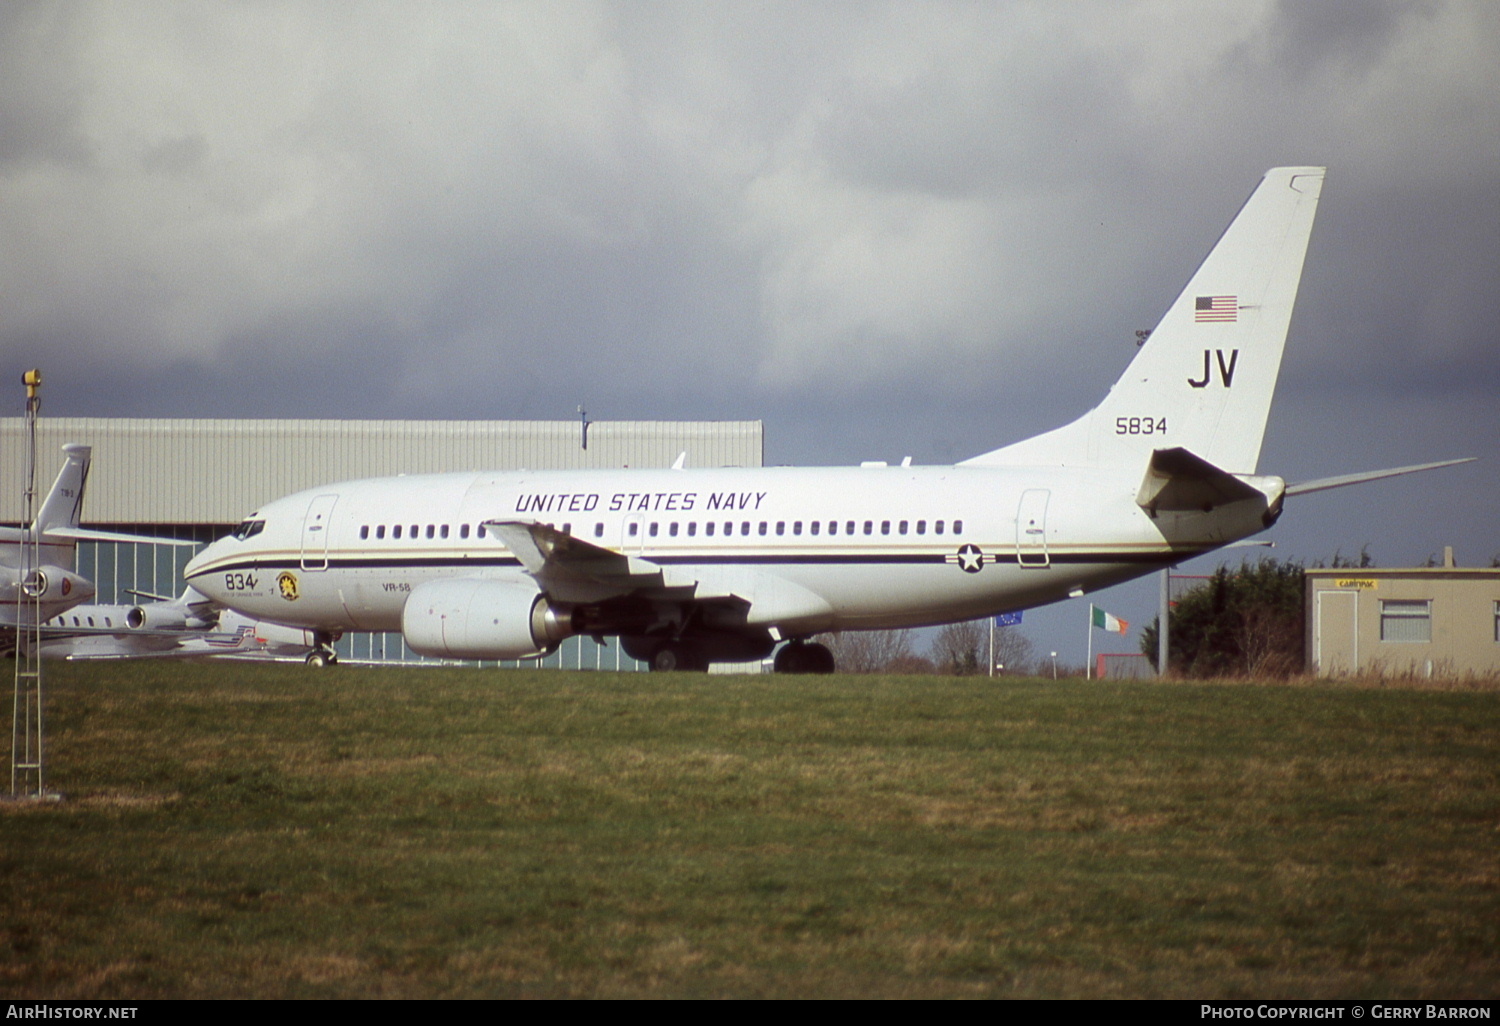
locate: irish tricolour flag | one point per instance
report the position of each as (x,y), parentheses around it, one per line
(1105,622)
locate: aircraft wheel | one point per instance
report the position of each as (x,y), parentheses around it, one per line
(819,659)
(675,657)
(319,660)
(801,657)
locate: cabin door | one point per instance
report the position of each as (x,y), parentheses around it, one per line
(315,532)
(1031,529)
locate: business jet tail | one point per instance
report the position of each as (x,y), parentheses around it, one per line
(1204,378)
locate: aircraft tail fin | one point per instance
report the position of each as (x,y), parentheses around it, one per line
(1204,378)
(64,503)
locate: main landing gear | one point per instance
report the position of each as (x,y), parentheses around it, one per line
(323,654)
(804,657)
(677,657)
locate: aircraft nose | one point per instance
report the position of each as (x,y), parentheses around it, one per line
(198,565)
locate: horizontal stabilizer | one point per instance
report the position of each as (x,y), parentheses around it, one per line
(84,534)
(1323,484)
(1179,482)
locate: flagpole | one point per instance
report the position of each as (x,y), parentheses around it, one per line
(1088,667)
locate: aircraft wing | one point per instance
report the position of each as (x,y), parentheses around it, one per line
(1323,484)
(86,534)
(573,570)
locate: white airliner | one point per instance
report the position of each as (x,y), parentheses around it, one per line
(689,567)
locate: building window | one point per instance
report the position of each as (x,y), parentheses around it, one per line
(1497,621)
(1406,620)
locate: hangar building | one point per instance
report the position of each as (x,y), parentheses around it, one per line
(196,479)
(1441,621)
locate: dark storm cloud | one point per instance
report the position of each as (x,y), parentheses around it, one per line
(887,229)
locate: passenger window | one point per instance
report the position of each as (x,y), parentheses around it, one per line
(634,529)
(796,527)
(443,530)
(781,527)
(599,530)
(672,529)
(885,527)
(813,527)
(901,527)
(380,531)
(849,527)
(693,529)
(708,529)
(762,527)
(652,530)
(396,531)
(463,530)
(431,531)
(744,527)
(921,527)
(869,527)
(937,528)
(958,527)
(364,531)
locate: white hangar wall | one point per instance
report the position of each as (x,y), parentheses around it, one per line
(215,471)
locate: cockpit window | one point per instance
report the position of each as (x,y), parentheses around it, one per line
(249,529)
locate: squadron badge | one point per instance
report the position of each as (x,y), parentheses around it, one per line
(286,583)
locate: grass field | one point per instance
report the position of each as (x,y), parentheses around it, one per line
(263,831)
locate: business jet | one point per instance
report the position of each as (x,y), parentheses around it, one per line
(189,626)
(38,579)
(38,576)
(693,566)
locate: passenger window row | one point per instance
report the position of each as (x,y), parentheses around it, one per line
(690,529)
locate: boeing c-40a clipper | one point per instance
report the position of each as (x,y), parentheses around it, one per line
(689,567)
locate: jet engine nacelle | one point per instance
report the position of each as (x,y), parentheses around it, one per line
(157,617)
(56,588)
(475,619)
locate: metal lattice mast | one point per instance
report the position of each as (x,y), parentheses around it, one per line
(26,762)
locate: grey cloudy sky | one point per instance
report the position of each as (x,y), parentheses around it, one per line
(885,229)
